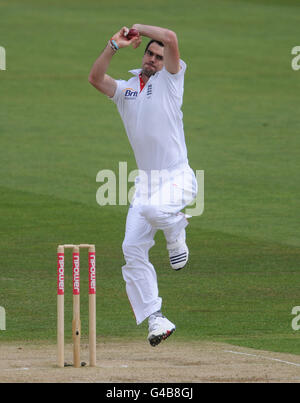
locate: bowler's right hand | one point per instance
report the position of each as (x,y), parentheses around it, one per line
(122,41)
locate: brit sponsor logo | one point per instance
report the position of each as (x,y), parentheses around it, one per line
(130,93)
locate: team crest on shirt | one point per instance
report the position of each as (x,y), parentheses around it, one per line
(149,91)
(130,93)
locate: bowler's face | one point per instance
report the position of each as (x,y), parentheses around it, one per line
(153,59)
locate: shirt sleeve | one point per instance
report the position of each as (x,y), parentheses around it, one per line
(175,82)
(116,98)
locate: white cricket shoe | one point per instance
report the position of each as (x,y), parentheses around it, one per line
(178,252)
(160,328)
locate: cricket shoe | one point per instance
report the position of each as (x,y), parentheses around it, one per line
(178,252)
(160,328)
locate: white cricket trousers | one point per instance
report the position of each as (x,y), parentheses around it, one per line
(156,206)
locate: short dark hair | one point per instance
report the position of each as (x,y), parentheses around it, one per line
(153,41)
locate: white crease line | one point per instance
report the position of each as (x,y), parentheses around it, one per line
(261,356)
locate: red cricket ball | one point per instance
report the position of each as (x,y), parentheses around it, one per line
(132,33)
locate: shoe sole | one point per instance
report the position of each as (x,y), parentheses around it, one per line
(180,268)
(155,340)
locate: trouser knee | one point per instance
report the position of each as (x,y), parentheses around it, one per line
(136,254)
(154,215)
(163,220)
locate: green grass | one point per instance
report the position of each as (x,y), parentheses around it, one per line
(242,123)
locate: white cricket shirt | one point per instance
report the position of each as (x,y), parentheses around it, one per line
(153,118)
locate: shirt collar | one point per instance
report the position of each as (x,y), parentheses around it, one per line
(135,72)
